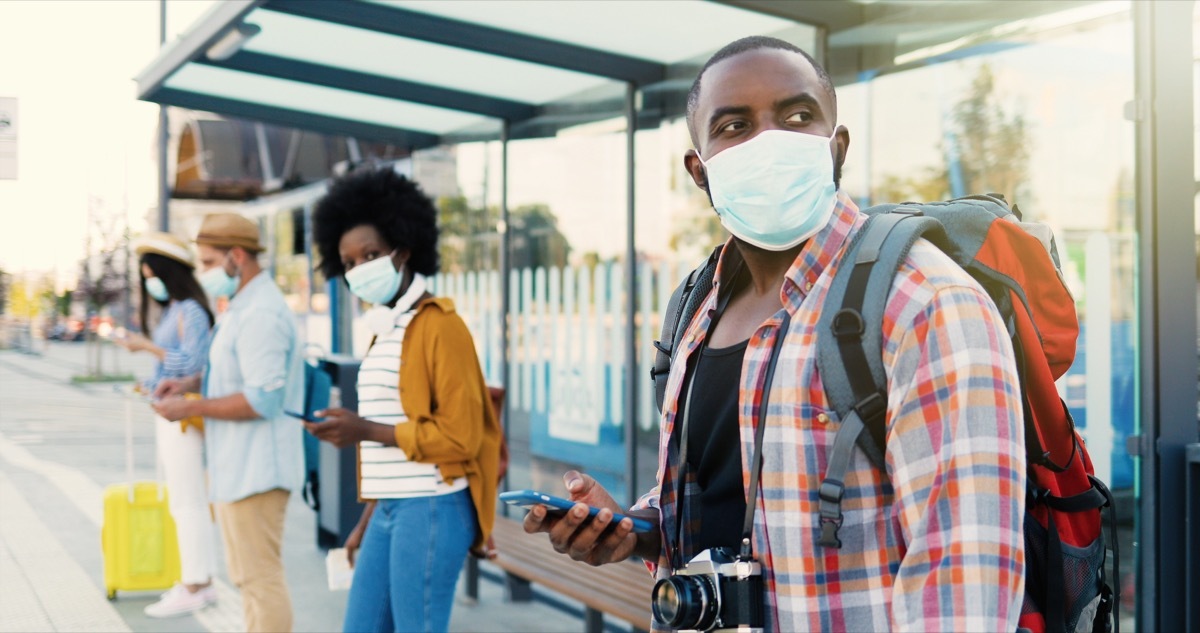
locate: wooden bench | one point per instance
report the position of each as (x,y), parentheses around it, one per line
(620,590)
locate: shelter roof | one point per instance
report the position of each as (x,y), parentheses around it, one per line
(424,72)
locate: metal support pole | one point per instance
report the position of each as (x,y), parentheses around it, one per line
(631,343)
(1162,110)
(164,192)
(309,208)
(341,321)
(505,291)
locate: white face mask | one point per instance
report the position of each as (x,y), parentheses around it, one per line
(157,289)
(775,190)
(217,283)
(376,281)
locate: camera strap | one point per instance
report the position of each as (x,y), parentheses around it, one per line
(690,378)
(760,428)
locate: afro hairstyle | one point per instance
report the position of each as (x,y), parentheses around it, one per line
(386,200)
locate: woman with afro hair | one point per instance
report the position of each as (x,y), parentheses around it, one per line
(425,430)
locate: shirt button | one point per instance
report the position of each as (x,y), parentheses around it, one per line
(823,418)
(808,286)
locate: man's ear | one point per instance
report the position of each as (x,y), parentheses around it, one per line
(691,162)
(841,144)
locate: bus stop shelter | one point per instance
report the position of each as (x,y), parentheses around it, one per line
(425,73)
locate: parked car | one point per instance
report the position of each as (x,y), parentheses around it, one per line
(71,331)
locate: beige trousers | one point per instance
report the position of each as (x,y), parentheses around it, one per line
(253,533)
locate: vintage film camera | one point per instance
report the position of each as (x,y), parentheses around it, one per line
(717,590)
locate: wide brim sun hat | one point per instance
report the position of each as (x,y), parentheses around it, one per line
(167,245)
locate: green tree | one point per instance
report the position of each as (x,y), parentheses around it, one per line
(535,237)
(5,284)
(700,228)
(986,145)
(992,143)
(468,239)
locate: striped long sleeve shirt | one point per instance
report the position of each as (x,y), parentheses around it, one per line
(935,544)
(183,331)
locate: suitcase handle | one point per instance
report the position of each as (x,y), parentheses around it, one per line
(129,446)
(158,471)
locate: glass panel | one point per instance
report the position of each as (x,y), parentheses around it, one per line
(676,230)
(658,30)
(1196,153)
(293,95)
(302,288)
(567,325)
(381,54)
(469,244)
(1036,114)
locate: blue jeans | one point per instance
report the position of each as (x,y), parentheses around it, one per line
(407,568)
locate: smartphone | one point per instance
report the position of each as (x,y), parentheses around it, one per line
(306,418)
(557,505)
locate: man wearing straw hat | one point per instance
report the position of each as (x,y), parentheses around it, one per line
(255,456)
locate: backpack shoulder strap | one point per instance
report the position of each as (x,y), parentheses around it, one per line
(850,343)
(681,307)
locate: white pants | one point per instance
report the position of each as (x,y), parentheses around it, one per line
(182,456)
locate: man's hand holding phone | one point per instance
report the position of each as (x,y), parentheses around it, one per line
(168,387)
(586,538)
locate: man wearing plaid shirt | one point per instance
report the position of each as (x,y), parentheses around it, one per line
(936,543)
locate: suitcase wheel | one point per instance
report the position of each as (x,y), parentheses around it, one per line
(112,594)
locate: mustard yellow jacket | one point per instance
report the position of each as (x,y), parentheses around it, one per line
(450,417)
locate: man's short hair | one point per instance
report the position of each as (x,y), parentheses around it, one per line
(737,47)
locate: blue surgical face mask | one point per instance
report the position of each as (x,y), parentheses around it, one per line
(775,190)
(376,281)
(217,283)
(156,289)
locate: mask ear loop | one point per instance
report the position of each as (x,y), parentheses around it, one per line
(237,273)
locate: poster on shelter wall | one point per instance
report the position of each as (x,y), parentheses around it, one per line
(8,138)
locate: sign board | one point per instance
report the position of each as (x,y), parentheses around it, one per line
(8,138)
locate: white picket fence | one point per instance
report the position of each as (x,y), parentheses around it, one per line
(567,339)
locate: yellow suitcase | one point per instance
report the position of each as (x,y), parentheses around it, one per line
(137,539)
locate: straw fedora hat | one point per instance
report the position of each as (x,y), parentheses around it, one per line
(167,245)
(226,230)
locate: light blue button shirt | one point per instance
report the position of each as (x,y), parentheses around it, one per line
(255,351)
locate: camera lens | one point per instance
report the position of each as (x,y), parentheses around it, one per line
(684,602)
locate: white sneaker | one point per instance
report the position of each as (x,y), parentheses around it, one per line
(179,601)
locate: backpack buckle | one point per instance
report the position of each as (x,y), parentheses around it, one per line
(871,408)
(831,492)
(848,323)
(829,533)
(908,210)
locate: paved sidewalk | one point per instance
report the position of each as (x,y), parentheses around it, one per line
(61,444)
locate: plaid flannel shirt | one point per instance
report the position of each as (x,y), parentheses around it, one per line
(937,544)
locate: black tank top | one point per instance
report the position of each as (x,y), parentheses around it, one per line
(714,447)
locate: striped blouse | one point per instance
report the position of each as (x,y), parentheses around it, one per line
(183,331)
(386,472)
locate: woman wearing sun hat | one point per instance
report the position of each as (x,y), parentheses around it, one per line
(179,340)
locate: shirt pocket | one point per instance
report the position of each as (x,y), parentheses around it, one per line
(814,425)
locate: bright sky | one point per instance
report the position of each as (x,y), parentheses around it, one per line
(82,135)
